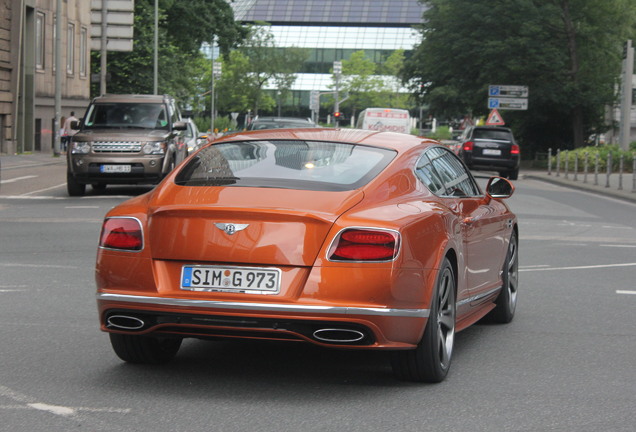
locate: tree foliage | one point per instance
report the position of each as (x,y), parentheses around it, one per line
(368,84)
(183,27)
(568,52)
(254,65)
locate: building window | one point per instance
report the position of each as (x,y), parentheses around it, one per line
(70,49)
(82,51)
(40,20)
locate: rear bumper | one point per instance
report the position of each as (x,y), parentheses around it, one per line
(355,327)
(490,163)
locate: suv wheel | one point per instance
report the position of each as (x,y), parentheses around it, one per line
(73,187)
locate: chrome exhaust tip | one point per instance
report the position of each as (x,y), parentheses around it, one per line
(334,335)
(124,322)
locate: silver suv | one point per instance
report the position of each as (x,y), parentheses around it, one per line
(125,139)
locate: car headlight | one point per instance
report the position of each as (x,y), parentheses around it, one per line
(80,147)
(154,148)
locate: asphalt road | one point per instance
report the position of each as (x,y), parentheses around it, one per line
(566,363)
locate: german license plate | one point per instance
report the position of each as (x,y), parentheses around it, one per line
(115,169)
(251,280)
(491,152)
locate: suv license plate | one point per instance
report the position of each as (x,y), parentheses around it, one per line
(251,280)
(115,168)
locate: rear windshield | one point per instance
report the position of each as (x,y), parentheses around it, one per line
(304,165)
(126,115)
(492,134)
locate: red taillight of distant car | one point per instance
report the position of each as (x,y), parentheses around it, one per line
(515,149)
(468,146)
(365,245)
(121,233)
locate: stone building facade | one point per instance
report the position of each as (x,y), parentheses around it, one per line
(27,70)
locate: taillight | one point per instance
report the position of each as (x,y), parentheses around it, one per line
(468,146)
(365,245)
(515,149)
(122,233)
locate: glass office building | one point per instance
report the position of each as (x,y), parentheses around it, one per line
(333,30)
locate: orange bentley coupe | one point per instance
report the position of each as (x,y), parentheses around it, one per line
(342,238)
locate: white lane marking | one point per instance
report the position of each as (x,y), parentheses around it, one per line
(37,266)
(13,180)
(536,266)
(618,246)
(579,267)
(28,402)
(53,409)
(43,190)
(81,207)
(625,292)
(2,290)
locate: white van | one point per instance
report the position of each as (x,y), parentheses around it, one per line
(385,119)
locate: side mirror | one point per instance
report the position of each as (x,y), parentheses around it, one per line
(499,188)
(179,125)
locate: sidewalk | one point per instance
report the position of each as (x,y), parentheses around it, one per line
(8,161)
(581,183)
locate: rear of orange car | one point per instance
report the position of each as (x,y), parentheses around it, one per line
(243,256)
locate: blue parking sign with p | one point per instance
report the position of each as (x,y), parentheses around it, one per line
(493,90)
(493,103)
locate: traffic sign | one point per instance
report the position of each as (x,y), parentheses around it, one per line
(508,91)
(495,119)
(507,103)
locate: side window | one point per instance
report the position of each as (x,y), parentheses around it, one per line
(455,178)
(427,174)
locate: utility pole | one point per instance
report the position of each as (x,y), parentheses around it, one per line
(58,78)
(103,49)
(155,86)
(626,96)
(337,70)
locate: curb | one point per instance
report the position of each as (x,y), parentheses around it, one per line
(612,191)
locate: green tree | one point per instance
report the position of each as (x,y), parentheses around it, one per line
(183,26)
(566,51)
(255,64)
(392,92)
(360,82)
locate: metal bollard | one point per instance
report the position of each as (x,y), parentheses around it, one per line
(567,159)
(576,166)
(620,173)
(609,169)
(558,162)
(550,161)
(585,168)
(596,171)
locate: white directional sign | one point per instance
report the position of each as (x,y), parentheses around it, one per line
(508,103)
(508,91)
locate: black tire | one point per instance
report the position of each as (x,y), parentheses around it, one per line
(514,174)
(431,359)
(144,349)
(73,187)
(506,303)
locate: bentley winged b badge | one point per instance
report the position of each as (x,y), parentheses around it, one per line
(230,228)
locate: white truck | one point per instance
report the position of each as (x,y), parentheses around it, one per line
(385,119)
